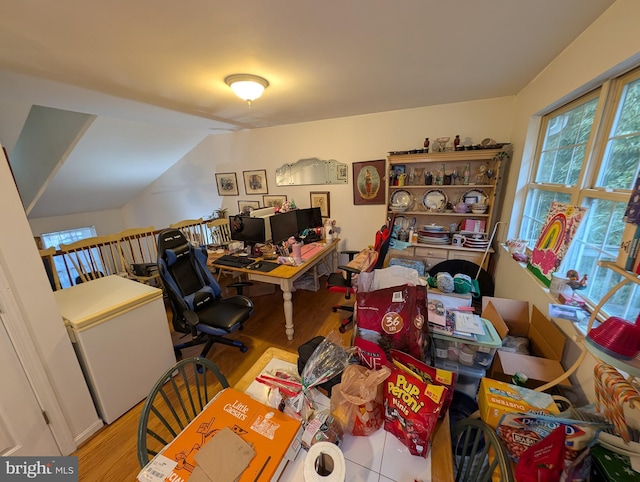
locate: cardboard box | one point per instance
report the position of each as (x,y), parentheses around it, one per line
(546,340)
(274,436)
(495,398)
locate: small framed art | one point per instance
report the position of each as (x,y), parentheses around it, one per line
(227,183)
(255,182)
(321,200)
(273,201)
(368,182)
(247,206)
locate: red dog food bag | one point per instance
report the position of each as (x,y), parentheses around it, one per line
(411,409)
(427,374)
(393,318)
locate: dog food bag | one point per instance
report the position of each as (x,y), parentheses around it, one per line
(411,409)
(427,374)
(393,318)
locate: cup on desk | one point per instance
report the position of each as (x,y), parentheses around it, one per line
(296,251)
(458,239)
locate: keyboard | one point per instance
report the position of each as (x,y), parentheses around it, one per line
(234,261)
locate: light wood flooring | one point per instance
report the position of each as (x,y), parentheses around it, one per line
(110,455)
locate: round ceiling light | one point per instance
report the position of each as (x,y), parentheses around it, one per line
(246,86)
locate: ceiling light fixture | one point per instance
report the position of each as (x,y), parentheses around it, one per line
(246,86)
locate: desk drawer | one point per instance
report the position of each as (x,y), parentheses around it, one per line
(431,256)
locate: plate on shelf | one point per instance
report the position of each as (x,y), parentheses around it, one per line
(487,141)
(433,228)
(433,240)
(401,199)
(474,196)
(435,200)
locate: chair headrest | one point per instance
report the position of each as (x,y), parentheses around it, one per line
(173,255)
(170,239)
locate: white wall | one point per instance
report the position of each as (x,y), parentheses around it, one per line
(611,44)
(30,285)
(106,222)
(188,190)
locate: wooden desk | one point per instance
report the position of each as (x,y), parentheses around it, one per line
(441,456)
(285,275)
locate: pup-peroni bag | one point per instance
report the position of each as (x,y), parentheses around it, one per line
(412,408)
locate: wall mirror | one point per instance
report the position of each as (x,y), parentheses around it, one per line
(311,171)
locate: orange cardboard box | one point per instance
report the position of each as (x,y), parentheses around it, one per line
(274,436)
(495,398)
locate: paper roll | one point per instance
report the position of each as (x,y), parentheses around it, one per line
(324,462)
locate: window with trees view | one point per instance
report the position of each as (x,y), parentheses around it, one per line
(588,154)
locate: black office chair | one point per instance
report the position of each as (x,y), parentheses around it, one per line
(195,295)
(343,281)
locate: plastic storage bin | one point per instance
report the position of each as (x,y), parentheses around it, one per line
(468,379)
(476,354)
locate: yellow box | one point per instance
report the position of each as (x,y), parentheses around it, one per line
(495,398)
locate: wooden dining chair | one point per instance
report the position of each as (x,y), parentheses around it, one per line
(175,400)
(220,235)
(139,250)
(193,230)
(50,267)
(220,232)
(95,257)
(478,453)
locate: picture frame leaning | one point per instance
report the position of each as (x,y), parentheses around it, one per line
(255,182)
(320,199)
(227,183)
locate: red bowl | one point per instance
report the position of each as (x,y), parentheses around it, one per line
(617,337)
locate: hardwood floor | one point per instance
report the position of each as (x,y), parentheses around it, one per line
(110,455)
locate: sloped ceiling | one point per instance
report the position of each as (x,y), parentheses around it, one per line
(155,69)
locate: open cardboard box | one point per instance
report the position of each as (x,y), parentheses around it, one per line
(546,341)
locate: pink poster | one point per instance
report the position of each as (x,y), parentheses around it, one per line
(556,235)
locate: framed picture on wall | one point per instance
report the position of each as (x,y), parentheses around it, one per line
(368,182)
(273,201)
(247,206)
(321,200)
(227,183)
(255,182)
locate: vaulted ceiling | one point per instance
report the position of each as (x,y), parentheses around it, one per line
(156,68)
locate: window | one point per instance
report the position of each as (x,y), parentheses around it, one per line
(588,154)
(66,273)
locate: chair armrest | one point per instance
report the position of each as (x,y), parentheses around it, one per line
(192,320)
(349,253)
(349,269)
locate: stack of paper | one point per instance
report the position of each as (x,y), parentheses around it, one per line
(468,324)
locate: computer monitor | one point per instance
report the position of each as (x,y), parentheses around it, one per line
(309,218)
(247,229)
(283,226)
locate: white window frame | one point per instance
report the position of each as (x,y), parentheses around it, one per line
(609,96)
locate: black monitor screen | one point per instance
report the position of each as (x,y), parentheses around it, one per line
(247,229)
(309,218)
(283,226)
